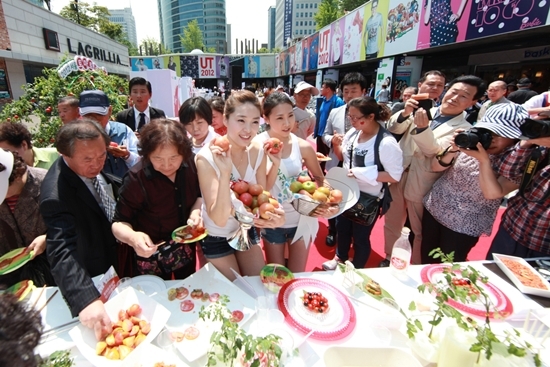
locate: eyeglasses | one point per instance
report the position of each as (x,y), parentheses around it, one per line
(495,90)
(354,118)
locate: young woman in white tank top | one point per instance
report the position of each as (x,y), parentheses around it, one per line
(244,160)
(298,231)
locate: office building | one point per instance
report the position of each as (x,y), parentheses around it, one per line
(37,2)
(294,20)
(271,17)
(174,15)
(125,18)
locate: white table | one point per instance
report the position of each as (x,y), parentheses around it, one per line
(56,313)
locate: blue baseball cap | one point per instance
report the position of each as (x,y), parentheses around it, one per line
(94,101)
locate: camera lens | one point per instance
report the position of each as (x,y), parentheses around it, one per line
(535,128)
(470,138)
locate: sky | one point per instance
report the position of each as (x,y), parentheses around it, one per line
(248,18)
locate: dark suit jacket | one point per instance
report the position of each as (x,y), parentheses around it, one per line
(128,117)
(79,241)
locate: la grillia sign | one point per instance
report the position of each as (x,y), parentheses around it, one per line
(94,52)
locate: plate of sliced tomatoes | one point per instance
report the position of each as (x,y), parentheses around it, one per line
(189,234)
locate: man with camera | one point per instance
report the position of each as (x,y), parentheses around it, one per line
(431,131)
(525,226)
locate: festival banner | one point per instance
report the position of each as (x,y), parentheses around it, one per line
(189,66)
(439,24)
(207,67)
(384,73)
(290,56)
(173,63)
(313,50)
(277,70)
(403,23)
(141,63)
(489,18)
(337,42)
(374,29)
(282,64)
(324,48)
(353,27)
(305,54)
(267,66)
(251,66)
(287,23)
(222,68)
(298,56)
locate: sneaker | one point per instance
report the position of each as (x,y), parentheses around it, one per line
(329,241)
(331,264)
(384,263)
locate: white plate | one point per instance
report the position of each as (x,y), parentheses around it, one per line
(209,280)
(149,284)
(153,312)
(516,281)
(368,357)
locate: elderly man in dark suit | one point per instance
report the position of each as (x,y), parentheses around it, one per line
(140,114)
(77,204)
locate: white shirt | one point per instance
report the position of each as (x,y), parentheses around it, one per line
(137,116)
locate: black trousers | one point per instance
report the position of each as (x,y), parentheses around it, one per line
(435,234)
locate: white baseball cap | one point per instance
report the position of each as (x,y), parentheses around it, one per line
(303,85)
(6,166)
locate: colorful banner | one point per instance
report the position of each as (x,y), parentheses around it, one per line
(323,60)
(172,63)
(384,74)
(222,68)
(439,24)
(140,63)
(488,18)
(207,67)
(374,29)
(251,66)
(287,32)
(189,66)
(267,66)
(283,66)
(291,61)
(298,56)
(305,54)
(277,65)
(313,51)
(353,27)
(403,23)
(337,42)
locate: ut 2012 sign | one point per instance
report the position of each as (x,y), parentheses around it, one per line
(207,67)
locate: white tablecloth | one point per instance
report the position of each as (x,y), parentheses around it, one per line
(364,335)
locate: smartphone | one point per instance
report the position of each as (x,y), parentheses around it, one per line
(427,105)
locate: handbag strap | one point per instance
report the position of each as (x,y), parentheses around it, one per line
(532,167)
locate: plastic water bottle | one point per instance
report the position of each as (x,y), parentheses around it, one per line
(401,254)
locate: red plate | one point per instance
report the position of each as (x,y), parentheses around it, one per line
(500,301)
(336,324)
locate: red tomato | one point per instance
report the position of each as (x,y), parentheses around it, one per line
(187,305)
(265,208)
(197,293)
(134,310)
(237,316)
(255,189)
(240,187)
(274,145)
(222,142)
(113,144)
(246,198)
(181,292)
(214,297)
(192,333)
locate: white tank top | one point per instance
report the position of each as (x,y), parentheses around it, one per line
(290,167)
(232,225)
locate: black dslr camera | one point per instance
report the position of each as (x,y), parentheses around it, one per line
(469,139)
(533,129)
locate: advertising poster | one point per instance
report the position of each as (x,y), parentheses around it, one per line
(305,54)
(374,29)
(141,63)
(403,23)
(172,63)
(251,66)
(282,62)
(332,74)
(287,30)
(324,48)
(298,56)
(222,68)
(277,71)
(291,61)
(158,63)
(207,67)
(384,74)
(4,91)
(353,27)
(337,42)
(439,24)
(313,51)
(267,66)
(489,18)
(189,66)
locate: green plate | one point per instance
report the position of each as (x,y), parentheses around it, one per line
(177,238)
(21,289)
(274,276)
(14,259)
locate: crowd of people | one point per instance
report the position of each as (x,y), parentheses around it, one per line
(112,191)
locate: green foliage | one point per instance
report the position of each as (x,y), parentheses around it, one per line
(262,50)
(61,358)
(349,5)
(276,50)
(152,47)
(228,344)
(329,11)
(40,99)
(448,289)
(192,37)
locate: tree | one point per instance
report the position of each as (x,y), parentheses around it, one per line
(152,47)
(263,50)
(275,50)
(349,5)
(40,99)
(192,37)
(329,11)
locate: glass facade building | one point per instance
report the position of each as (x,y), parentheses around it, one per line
(210,15)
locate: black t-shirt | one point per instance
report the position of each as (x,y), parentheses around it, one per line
(521,96)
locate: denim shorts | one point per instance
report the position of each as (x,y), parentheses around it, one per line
(278,236)
(215,247)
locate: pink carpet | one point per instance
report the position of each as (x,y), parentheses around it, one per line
(320,252)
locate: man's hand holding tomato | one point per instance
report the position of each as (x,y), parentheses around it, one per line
(118,151)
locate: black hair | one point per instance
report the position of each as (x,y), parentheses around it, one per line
(15,133)
(432,72)
(193,108)
(329,83)
(250,88)
(70,100)
(274,99)
(140,81)
(82,129)
(368,105)
(472,80)
(354,78)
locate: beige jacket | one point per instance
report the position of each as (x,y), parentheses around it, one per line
(428,143)
(406,143)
